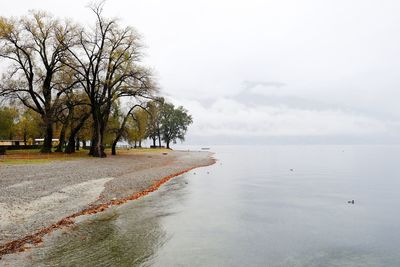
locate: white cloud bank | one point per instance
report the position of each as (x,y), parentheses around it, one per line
(262,112)
(231,118)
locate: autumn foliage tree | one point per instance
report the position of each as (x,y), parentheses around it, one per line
(154,108)
(140,118)
(28,126)
(8,118)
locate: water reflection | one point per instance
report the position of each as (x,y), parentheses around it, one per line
(128,235)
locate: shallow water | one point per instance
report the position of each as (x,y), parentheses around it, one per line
(251,209)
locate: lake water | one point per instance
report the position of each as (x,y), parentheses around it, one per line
(251,209)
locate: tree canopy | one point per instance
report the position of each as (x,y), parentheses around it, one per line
(174,123)
(81,83)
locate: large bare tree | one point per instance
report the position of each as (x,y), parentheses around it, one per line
(34,46)
(107,58)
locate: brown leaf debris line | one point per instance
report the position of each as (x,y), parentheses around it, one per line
(19,245)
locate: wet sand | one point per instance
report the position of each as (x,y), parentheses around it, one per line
(36,196)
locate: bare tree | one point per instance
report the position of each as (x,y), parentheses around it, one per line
(34,47)
(106,59)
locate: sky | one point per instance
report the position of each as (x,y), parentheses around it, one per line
(267,72)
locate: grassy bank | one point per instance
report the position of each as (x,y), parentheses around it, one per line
(33,156)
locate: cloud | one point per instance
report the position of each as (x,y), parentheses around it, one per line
(252,84)
(231,118)
(250,114)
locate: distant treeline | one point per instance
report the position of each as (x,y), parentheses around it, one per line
(75,83)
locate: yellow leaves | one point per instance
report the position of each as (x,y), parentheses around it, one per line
(43,20)
(6,27)
(60,36)
(127,56)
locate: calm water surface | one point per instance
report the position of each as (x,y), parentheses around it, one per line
(251,209)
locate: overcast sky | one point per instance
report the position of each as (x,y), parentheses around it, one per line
(287,71)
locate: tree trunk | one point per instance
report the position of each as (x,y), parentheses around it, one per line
(77,145)
(97,147)
(92,141)
(113,148)
(135,146)
(48,137)
(47,115)
(70,148)
(140,143)
(84,144)
(154,141)
(159,138)
(72,137)
(167,144)
(62,139)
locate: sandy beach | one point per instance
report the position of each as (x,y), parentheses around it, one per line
(35,196)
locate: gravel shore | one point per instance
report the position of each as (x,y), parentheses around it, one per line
(34,196)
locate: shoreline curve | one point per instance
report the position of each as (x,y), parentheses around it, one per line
(19,245)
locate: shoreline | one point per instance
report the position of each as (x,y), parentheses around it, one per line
(178,163)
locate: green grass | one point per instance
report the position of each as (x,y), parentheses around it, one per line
(38,159)
(33,156)
(23,151)
(25,161)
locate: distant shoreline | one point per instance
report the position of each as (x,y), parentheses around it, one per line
(37,199)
